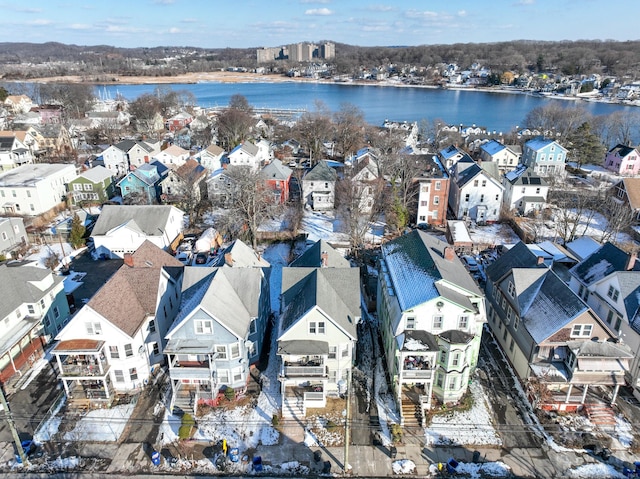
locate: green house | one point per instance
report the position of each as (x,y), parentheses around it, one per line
(94,186)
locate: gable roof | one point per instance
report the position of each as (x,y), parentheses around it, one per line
(336,291)
(127,145)
(276,170)
(312,257)
(130,295)
(539,143)
(175,150)
(519,256)
(632,188)
(191,170)
(241,255)
(150,219)
(96,174)
(415,262)
(214,150)
(492,147)
(321,172)
(230,295)
(622,150)
(604,261)
(17,287)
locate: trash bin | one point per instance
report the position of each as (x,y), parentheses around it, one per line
(155,458)
(234,454)
(257,463)
(317,456)
(393,452)
(326,468)
(476,457)
(452,464)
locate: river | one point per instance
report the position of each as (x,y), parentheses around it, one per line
(499,112)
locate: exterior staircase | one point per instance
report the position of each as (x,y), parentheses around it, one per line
(184,401)
(411,414)
(601,415)
(293,407)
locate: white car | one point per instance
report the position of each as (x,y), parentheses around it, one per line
(471,263)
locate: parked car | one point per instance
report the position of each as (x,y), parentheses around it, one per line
(470,263)
(201,258)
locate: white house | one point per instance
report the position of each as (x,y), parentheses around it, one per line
(474,193)
(431,314)
(121,229)
(319,187)
(525,191)
(246,154)
(506,156)
(115,160)
(115,342)
(13,152)
(211,157)
(173,155)
(33,189)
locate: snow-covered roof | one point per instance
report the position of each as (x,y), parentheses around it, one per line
(492,147)
(606,260)
(582,247)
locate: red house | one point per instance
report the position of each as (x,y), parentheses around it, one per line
(277,178)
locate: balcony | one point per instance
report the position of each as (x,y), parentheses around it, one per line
(190,370)
(416,368)
(304,368)
(75,368)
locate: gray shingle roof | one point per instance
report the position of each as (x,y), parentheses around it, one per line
(604,261)
(415,262)
(150,219)
(312,257)
(276,171)
(321,172)
(17,287)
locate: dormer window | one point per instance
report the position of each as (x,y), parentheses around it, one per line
(613,293)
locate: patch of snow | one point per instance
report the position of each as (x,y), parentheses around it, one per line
(101,424)
(403,466)
(595,471)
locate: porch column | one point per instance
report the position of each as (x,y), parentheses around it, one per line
(100,365)
(568,393)
(59,363)
(13,365)
(66,388)
(584,393)
(106,388)
(615,394)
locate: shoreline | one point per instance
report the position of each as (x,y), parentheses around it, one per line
(248,77)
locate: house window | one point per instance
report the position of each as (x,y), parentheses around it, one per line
(436,200)
(321,327)
(443,356)
(581,330)
(504,336)
(204,326)
(93,328)
(463,322)
(512,289)
(481,198)
(152,326)
(516,323)
(235,351)
(128,350)
(455,361)
(333,352)
(133,374)
(466,197)
(437,322)
(512,345)
(344,351)
(424,203)
(252,327)
(56,314)
(31,309)
(613,293)
(221,351)
(609,316)
(222,375)
(484,182)
(475,182)
(119,376)
(411,323)
(453,384)
(439,380)
(113,352)
(156,349)
(237,375)
(88,187)
(438,185)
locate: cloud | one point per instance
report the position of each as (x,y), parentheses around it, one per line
(421,14)
(174,30)
(80,26)
(40,22)
(380,8)
(318,11)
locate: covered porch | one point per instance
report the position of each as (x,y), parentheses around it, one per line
(20,347)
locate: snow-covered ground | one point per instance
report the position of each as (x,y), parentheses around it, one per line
(101,424)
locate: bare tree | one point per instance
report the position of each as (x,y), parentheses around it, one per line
(251,204)
(349,126)
(555,117)
(576,210)
(313,129)
(234,123)
(404,190)
(619,218)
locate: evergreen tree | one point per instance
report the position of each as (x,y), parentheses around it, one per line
(76,238)
(584,146)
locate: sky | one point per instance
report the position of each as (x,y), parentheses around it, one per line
(266,23)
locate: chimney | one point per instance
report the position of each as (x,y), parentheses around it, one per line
(228,259)
(540,260)
(128,259)
(632,260)
(324,259)
(449,253)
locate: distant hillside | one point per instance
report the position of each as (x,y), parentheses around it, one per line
(579,57)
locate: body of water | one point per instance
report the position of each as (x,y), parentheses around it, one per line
(494,111)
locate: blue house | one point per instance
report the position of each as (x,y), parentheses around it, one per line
(144,180)
(544,156)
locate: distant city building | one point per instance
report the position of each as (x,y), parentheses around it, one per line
(297,52)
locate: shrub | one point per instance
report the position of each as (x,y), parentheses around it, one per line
(275,420)
(396,432)
(229,394)
(186,427)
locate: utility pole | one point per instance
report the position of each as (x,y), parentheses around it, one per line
(12,427)
(346,468)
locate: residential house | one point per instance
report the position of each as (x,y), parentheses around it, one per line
(366,182)
(13,236)
(93,186)
(49,113)
(450,156)
(431,313)
(319,186)
(33,308)
(27,138)
(320,255)
(507,157)
(33,189)
(320,311)
(115,343)
(623,160)
(524,191)
(218,334)
(474,193)
(626,192)
(184,184)
(433,192)
(173,155)
(410,131)
(115,160)
(236,255)
(548,333)
(251,154)
(211,157)
(121,229)
(220,188)
(18,103)
(137,153)
(13,152)
(545,157)
(178,121)
(277,178)
(55,139)
(145,182)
